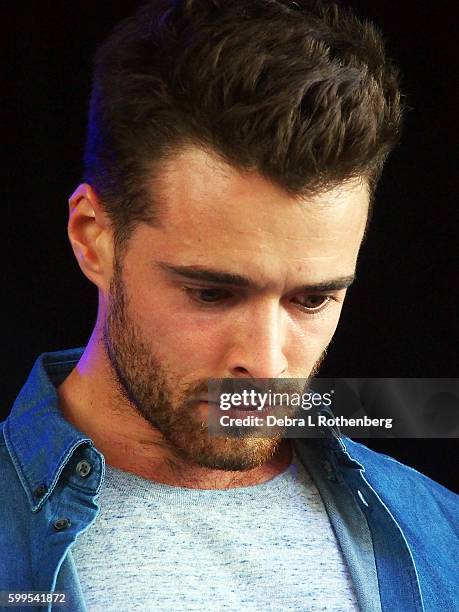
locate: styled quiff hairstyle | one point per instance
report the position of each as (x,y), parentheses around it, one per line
(300,92)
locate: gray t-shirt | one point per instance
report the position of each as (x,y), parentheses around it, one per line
(264,547)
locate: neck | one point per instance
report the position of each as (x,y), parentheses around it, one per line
(89,400)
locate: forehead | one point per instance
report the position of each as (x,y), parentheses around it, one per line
(210,211)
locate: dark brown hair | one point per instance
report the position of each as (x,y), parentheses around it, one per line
(298,91)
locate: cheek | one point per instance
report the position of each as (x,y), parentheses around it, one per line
(307,340)
(176,336)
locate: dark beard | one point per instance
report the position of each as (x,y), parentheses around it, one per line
(168,406)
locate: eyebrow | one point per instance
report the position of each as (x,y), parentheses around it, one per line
(220,277)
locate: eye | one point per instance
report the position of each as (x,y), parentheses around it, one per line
(312,303)
(208,295)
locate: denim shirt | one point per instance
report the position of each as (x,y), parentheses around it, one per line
(397,528)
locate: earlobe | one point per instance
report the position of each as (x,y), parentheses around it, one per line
(90,236)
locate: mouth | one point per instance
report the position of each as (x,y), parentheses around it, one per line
(236,411)
(216,404)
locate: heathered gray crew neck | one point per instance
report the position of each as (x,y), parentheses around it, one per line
(263,547)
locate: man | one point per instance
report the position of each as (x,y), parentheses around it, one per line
(233,150)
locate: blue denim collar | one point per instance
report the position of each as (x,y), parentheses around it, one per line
(39,439)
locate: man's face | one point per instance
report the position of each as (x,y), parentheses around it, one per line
(240,280)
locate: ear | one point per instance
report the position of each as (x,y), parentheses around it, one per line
(91,236)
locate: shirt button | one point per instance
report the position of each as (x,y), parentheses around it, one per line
(83,468)
(40,490)
(61,524)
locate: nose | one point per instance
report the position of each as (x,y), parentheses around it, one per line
(257,344)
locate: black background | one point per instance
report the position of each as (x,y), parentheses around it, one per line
(400,318)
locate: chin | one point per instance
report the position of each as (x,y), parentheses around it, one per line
(231,454)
